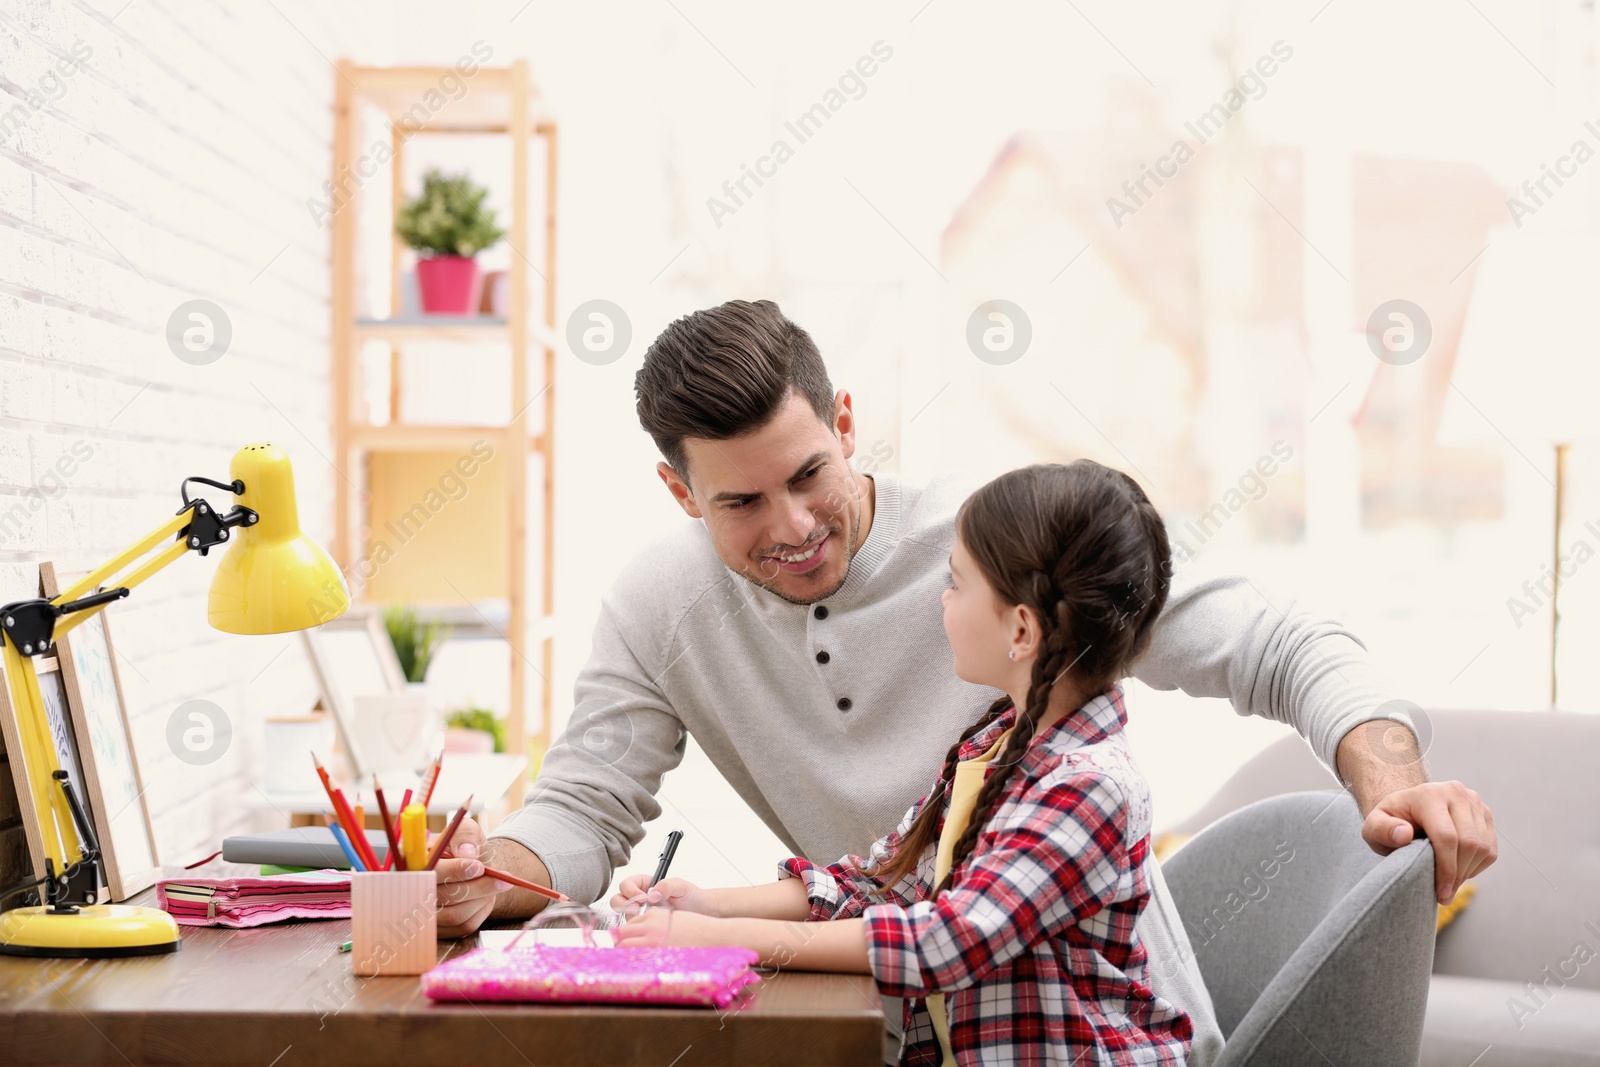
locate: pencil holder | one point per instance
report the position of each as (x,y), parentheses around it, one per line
(394,922)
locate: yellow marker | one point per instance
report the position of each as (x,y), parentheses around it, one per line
(414,836)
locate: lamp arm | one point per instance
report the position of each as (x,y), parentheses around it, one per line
(197,527)
(30,628)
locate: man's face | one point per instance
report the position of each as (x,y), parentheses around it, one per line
(782,505)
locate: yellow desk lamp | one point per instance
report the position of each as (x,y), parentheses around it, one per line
(273,579)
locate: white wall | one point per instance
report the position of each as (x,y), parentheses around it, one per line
(153,153)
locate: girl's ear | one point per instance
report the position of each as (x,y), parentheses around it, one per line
(1025,630)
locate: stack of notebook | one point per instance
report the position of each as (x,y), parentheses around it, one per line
(241,902)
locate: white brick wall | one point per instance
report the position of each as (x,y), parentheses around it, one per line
(173,162)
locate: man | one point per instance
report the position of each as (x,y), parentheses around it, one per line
(796,633)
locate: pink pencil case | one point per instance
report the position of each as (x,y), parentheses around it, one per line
(242,902)
(705,977)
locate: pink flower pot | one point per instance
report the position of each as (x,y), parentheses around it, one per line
(448,284)
(461,739)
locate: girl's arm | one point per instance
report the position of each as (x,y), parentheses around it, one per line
(805,890)
(785,899)
(840,946)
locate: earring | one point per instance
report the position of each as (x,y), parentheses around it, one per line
(1012,654)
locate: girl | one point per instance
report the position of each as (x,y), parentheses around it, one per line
(1003,906)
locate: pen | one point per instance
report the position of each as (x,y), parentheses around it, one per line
(666,856)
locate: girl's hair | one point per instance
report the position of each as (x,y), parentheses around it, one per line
(1082,546)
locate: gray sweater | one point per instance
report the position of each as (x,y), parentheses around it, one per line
(830,755)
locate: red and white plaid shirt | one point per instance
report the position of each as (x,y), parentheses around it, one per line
(1034,943)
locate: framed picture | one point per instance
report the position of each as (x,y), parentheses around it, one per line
(352,657)
(36,823)
(93,690)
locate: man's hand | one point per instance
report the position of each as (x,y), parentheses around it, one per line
(465,895)
(1385,771)
(1454,818)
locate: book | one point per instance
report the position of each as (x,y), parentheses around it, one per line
(303,846)
(244,902)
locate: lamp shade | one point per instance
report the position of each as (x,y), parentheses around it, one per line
(273,578)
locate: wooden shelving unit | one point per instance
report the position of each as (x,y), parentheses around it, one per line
(500,101)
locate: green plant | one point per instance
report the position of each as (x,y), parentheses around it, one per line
(414,640)
(449,217)
(476,718)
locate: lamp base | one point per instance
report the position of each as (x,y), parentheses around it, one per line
(94,930)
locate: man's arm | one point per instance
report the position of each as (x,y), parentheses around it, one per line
(594,792)
(1224,637)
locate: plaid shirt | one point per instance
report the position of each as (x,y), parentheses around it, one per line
(1034,943)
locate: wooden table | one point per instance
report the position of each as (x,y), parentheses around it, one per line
(284,996)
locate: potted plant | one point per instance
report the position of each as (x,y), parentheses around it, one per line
(415,641)
(474,729)
(447,225)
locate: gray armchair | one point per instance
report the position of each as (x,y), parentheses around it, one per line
(1316,950)
(1517,976)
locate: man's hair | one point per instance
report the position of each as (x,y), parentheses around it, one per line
(723,372)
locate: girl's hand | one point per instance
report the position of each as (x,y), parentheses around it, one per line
(662,926)
(677,893)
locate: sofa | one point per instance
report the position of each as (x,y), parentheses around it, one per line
(1516,974)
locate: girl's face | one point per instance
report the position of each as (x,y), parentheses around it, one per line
(976,622)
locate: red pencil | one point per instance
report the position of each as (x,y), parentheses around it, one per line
(404,801)
(449,831)
(347,818)
(523,883)
(431,779)
(394,858)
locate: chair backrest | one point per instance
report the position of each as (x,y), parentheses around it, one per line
(1532,768)
(1312,945)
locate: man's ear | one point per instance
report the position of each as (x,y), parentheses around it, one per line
(679,489)
(844,422)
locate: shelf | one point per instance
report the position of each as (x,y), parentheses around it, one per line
(501,101)
(414,437)
(434,328)
(447,328)
(396,91)
(480,620)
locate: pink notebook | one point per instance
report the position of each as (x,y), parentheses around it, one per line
(241,902)
(706,977)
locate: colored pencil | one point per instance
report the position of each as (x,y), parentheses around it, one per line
(347,818)
(449,831)
(405,802)
(431,779)
(523,883)
(393,860)
(344,843)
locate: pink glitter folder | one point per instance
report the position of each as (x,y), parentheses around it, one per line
(705,977)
